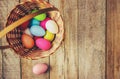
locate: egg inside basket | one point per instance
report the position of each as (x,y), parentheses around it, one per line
(14,36)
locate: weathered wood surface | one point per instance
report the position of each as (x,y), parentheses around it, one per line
(113,39)
(10,63)
(91,39)
(82,53)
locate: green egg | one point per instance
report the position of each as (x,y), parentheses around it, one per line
(39,17)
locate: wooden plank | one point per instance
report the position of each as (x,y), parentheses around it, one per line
(113,39)
(57,64)
(0,62)
(110,39)
(57,59)
(71,42)
(70,15)
(91,36)
(81,56)
(2,19)
(27,66)
(1,24)
(2,10)
(11,62)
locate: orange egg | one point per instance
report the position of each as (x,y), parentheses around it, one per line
(27,41)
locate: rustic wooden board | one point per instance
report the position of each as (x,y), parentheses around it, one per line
(71,52)
(91,39)
(0,61)
(1,24)
(113,39)
(82,54)
(10,63)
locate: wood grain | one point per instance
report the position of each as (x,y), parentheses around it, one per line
(71,63)
(1,24)
(113,39)
(0,62)
(10,62)
(82,54)
(91,36)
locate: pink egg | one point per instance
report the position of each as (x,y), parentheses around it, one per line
(42,23)
(43,44)
(40,68)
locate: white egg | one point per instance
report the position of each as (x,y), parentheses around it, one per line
(51,26)
(27,31)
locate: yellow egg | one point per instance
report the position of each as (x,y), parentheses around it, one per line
(49,36)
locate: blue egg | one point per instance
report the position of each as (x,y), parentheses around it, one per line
(37,30)
(34,22)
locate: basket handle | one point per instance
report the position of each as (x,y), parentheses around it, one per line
(24,19)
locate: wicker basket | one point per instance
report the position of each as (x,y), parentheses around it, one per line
(14,36)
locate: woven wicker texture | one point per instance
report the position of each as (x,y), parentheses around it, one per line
(14,36)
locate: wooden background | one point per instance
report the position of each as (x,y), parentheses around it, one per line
(90,49)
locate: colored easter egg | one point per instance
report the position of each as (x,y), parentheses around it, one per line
(25,25)
(37,30)
(42,23)
(43,44)
(51,26)
(49,36)
(39,17)
(27,41)
(34,22)
(27,31)
(40,68)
